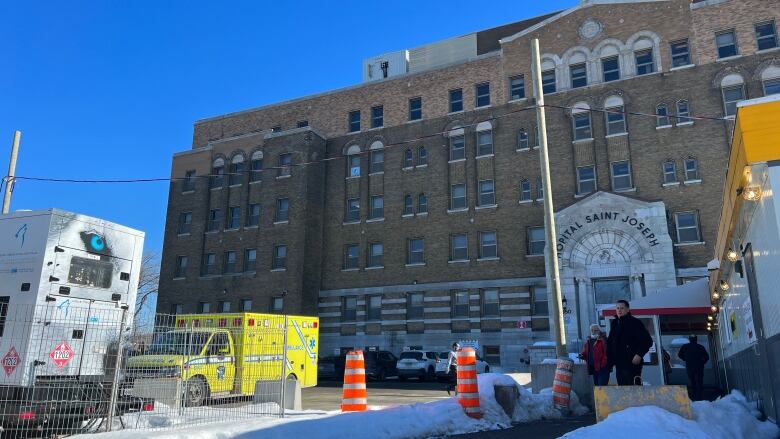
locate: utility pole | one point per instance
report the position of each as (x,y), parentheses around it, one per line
(9,182)
(551,251)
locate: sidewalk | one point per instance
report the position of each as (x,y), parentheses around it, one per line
(548,429)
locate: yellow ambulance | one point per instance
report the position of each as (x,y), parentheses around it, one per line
(220,355)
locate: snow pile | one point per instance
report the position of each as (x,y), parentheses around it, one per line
(727,418)
(422,420)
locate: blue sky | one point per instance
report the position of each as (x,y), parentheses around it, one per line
(110,90)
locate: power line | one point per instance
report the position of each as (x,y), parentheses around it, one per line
(363,152)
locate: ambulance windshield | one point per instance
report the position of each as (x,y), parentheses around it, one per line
(178,343)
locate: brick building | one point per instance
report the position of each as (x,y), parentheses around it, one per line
(406,210)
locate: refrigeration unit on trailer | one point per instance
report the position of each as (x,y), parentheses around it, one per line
(67,281)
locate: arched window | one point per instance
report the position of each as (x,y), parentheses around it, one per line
(733,90)
(662,116)
(644,57)
(549,84)
(256,167)
(691,170)
(377,163)
(408,205)
(237,170)
(422,204)
(615,115)
(610,63)
(525,190)
(217,179)
(581,122)
(408,158)
(683,111)
(522,139)
(770,78)
(578,70)
(422,156)
(353,161)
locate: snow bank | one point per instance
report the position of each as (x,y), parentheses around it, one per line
(438,418)
(727,418)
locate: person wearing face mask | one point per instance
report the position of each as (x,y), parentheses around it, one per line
(595,355)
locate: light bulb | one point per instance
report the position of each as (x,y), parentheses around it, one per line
(732,255)
(715,295)
(714,308)
(724,285)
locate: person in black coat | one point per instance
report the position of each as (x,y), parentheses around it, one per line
(695,357)
(627,343)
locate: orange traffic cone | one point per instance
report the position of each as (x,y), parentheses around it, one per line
(354,397)
(561,389)
(468,389)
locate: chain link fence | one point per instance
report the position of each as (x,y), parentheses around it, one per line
(60,374)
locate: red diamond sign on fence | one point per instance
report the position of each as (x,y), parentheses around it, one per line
(10,361)
(61,354)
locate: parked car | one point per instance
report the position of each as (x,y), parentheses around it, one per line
(418,364)
(443,374)
(380,364)
(330,368)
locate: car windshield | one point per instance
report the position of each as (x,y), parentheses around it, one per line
(411,355)
(178,343)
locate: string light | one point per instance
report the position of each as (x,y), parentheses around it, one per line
(732,255)
(724,285)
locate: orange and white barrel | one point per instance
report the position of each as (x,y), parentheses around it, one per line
(354,396)
(561,389)
(468,389)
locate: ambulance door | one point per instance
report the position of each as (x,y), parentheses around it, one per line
(220,363)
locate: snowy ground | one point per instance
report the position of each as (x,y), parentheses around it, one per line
(728,418)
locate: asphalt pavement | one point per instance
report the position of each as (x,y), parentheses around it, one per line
(547,429)
(327,394)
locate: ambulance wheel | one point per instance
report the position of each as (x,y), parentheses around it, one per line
(196,392)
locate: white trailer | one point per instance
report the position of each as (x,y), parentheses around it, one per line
(66,283)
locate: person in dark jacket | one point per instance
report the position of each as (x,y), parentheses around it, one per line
(595,355)
(627,343)
(695,357)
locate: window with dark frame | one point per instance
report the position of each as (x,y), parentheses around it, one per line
(422,156)
(282,210)
(422,204)
(415,108)
(285,165)
(408,158)
(579,75)
(687,224)
(621,175)
(352,213)
(586,179)
(204,307)
(234,217)
(376,252)
(236,173)
(280,257)
(302,123)
(487,193)
(223,306)
(681,55)
(616,120)
(250,260)
(277,304)
(209,264)
(456,100)
(354,121)
(415,306)
(229,263)
(525,190)
(536,240)
(457,148)
(353,165)
(582,126)
(188,184)
(214,220)
(253,215)
(644,62)
(377,207)
(611,68)
(662,116)
(374,311)
(176,309)
(460,304)
(548,81)
(683,111)
(245,305)
(377,116)
(484,142)
(541,301)
(493,355)
(377,161)
(731,96)
(522,140)
(766,35)
(726,42)
(408,205)
(181,267)
(516,87)
(351,257)
(458,196)
(416,251)
(691,170)
(490,303)
(771,86)
(256,170)
(482,92)
(488,245)
(217,178)
(670,172)
(459,247)
(185,223)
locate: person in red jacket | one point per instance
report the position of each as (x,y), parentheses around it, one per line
(595,355)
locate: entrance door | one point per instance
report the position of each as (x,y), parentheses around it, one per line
(767,393)
(607,291)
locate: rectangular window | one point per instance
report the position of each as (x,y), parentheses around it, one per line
(185,223)
(422,156)
(415,306)
(490,303)
(422,204)
(209,265)
(377,116)
(493,355)
(681,55)
(282,210)
(457,148)
(234,217)
(766,36)
(609,291)
(772,87)
(229,264)
(351,257)
(687,227)
(683,111)
(236,174)
(616,120)
(536,240)
(548,81)
(176,309)
(621,175)
(611,68)
(285,165)
(280,257)
(662,116)
(586,179)
(582,128)
(458,196)
(484,142)
(408,205)
(276,129)
(456,100)
(516,87)
(670,172)
(488,245)
(223,306)
(459,247)
(217,178)
(416,251)
(354,121)
(644,62)
(522,139)
(204,307)
(460,304)
(353,166)
(253,215)
(579,75)
(541,301)
(250,260)
(256,170)
(188,184)
(376,255)
(415,108)
(181,266)
(732,95)
(691,170)
(726,42)
(302,124)
(349,309)
(277,304)
(487,193)
(539,189)
(377,207)
(245,305)
(377,161)
(525,190)
(352,213)
(482,92)
(374,311)
(214,219)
